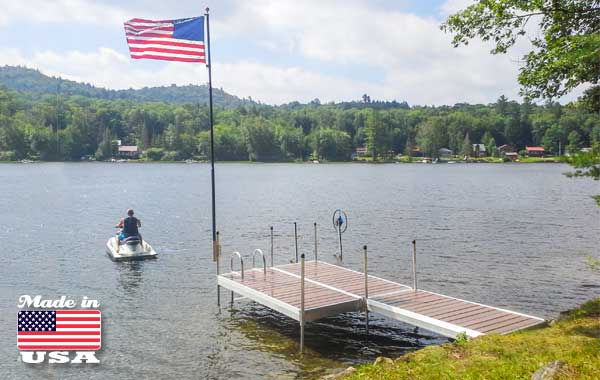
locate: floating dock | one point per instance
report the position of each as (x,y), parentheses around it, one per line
(310,290)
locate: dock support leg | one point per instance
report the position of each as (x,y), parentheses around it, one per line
(302,304)
(366,291)
(414,260)
(217,254)
(316,256)
(296,239)
(271,246)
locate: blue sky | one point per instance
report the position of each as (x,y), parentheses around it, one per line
(274,51)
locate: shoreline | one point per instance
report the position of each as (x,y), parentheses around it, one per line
(568,345)
(552,160)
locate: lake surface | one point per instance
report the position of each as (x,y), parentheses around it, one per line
(512,235)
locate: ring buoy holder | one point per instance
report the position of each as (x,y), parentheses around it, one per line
(340,224)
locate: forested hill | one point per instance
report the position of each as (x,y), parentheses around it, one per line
(33,81)
(51,126)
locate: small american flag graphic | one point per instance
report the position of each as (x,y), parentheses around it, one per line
(59,330)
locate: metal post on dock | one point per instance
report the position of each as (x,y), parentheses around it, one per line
(217,254)
(233,255)
(271,245)
(302,304)
(296,239)
(340,223)
(414,260)
(316,256)
(366,291)
(341,249)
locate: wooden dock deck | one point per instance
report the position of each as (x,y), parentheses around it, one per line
(331,289)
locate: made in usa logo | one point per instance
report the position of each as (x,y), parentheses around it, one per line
(58,335)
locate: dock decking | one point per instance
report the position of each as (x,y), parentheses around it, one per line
(331,289)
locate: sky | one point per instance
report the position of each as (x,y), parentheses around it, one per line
(274,51)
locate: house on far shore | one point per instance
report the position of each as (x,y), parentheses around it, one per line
(513,156)
(129,151)
(445,152)
(535,151)
(478,150)
(361,151)
(506,148)
(416,152)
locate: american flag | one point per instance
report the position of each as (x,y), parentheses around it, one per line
(58,330)
(170,40)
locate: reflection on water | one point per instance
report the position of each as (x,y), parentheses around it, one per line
(130,275)
(514,236)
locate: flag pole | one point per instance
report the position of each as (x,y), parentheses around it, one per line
(212,138)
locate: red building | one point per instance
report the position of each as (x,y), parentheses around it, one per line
(535,151)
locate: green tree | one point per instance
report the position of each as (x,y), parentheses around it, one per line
(574,140)
(262,140)
(467,148)
(104,150)
(331,144)
(377,135)
(565,54)
(431,135)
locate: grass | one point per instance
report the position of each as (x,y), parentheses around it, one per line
(530,160)
(573,339)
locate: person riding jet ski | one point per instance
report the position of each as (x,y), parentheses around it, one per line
(129,228)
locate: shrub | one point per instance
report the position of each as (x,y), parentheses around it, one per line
(154,154)
(172,156)
(8,155)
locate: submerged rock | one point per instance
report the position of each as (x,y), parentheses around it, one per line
(550,371)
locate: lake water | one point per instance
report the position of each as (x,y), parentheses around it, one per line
(513,236)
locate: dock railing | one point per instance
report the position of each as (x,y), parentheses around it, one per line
(233,256)
(260,252)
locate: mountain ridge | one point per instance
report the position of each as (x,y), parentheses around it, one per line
(25,79)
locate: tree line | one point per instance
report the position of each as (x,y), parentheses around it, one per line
(54,127)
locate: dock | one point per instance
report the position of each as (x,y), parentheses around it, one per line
(310,290)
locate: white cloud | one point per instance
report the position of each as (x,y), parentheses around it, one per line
(410,52)
(405,56)
(60,11)
(108,68)
(453,6)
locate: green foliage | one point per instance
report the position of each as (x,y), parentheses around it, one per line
(431,136)
(566,51)
(8,155)
(154,154)
(461,339)
(377,134)
(51,127)
(590,309)
(593,263)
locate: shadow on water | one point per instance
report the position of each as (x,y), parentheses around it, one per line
(333,342)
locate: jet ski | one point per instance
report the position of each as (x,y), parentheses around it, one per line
(131,248)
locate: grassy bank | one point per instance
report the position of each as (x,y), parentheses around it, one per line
(573,339)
